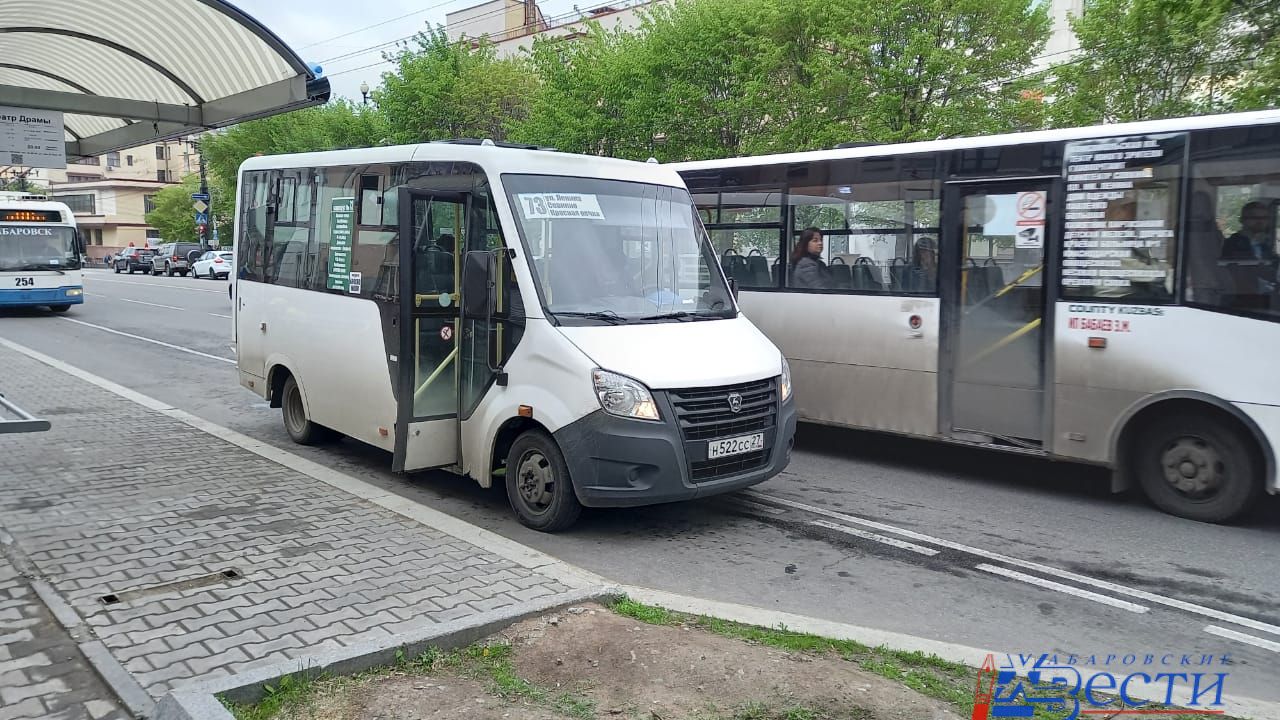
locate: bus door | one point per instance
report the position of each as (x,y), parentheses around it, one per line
(993,363)
(432,225)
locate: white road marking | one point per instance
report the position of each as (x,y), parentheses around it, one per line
(1026,565)
(901,544)
(140,302)
(179,348)
(221,316)
(1241,637)
(1059,587)
(89,294)
(158,284)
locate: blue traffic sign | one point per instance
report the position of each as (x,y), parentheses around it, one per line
(200,196)
(202,218)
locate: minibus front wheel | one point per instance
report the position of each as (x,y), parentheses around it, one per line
(538,483)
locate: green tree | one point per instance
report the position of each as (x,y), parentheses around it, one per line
(717,78)
(1256,45)
(338,124)
(444,89)
(1143,59)
(174,217)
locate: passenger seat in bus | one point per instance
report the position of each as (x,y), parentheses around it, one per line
(864,275)
(841,274)
(757,270)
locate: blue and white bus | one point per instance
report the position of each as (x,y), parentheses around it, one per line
(40,254)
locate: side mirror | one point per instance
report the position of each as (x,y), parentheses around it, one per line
(478,272)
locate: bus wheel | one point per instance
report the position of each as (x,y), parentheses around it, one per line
(59,308)
(538,484)
(300,428)
(1198,467)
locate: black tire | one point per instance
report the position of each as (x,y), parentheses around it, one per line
(300,428)
(1198,467)
(59,308)
(168,270)
(131,269)
(538,484)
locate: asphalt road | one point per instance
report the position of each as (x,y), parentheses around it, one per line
(969,547)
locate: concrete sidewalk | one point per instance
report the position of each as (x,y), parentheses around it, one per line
(160,570)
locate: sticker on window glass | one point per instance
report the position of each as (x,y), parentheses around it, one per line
(556,206)
(353,283)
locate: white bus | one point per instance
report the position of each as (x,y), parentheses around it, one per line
(553,321)
(1103,294)
(40,254)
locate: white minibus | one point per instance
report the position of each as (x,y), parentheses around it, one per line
(554,322)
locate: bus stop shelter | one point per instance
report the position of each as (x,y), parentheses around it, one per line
(129,72)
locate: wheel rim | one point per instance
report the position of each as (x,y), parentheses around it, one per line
(1194,468)
(535,481)
(294,415)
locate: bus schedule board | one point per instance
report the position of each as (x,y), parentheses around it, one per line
(32,138)
(1121,215)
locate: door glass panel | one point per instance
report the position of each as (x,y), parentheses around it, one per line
(436,225)
(999,352)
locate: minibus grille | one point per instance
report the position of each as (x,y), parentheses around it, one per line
(705,414)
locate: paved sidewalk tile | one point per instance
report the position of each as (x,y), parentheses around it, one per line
(42,673)
(314,566)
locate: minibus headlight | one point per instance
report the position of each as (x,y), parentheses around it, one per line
(620,395)
(784,384)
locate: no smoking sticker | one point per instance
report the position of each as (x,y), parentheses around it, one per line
(446,333)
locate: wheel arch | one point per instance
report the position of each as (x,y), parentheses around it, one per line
(510,429)
(278,369)
(1141,413)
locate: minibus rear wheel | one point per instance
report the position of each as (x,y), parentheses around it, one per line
(538,484)
(1198,466)
(300,427)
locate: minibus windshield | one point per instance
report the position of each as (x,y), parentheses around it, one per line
(613,252)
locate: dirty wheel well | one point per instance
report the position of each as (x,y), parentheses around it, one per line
(506,437)
(275,380)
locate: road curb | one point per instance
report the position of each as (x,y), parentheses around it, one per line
(200,701)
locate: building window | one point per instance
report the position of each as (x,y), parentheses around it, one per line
(85,161)
(113,160)
(153,234)
(72,178)
(128,159)
(148,203)
(162,152)
(81,203)
(163,176)
(97,236)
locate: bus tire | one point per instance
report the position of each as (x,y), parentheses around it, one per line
(300,427)
(538,484)
(59,308)
(1198,467)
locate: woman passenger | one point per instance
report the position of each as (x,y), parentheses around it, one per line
(807,267)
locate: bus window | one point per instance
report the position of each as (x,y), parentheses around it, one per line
(1233,223)
(744,227)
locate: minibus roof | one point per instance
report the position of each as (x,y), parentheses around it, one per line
(495,159)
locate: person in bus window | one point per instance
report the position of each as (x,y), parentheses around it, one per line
(807,267)
(1253,241)
(923,272)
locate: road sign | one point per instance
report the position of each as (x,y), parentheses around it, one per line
(200,206)
(200,196)
(202,218)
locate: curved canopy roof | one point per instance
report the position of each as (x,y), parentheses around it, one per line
(129,72)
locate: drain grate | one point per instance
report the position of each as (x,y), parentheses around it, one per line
(222,577)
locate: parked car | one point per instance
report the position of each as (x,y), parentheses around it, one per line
(133,259)
(213,264)
(173,258)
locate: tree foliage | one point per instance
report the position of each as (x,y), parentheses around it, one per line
(174,217)
(444,89)
(1142,59)
(714,78)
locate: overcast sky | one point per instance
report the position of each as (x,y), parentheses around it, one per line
(336,35)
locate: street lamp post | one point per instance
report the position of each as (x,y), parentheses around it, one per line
(364,92)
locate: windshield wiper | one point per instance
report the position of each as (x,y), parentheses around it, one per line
(608,316)
(39,266)
(677,315)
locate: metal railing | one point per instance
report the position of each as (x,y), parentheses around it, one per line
(25,422)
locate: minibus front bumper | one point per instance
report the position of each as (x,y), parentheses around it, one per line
(619,462)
